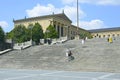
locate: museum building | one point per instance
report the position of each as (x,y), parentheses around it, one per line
(105,32)
(61,23)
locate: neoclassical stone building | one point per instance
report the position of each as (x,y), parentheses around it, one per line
(106,32)
(60,21)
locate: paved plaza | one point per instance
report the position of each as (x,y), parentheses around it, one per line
(12,74)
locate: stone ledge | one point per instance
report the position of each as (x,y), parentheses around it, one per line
(5,51)
(21,47)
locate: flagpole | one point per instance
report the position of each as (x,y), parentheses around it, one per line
(77,18)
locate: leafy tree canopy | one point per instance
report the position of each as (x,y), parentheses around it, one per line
(85,34)
(2,35)
(9,35)
(37,33)
(51,32)
(19,33)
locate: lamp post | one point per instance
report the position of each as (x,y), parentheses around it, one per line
(31,27)
(47,31)
(77,20)
(77,16)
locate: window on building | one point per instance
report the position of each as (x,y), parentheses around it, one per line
(58,30)
(103,35)
(97,35)
(113,35)
(62,31)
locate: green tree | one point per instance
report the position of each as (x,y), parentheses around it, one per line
(19,34)
(85,34)
(51,32)
(2,35)
(9,35)
(37,33)
(29,32)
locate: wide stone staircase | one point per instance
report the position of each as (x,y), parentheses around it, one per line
(94,55)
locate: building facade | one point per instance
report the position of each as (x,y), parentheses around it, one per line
(61,23)
(105,33)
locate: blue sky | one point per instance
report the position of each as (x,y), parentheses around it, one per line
(93,14)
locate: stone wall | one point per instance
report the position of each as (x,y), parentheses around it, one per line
(4,46)
(106,34)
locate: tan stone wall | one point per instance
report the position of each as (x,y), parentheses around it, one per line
(62,21)
(106,34)
(43,22)
(73,32)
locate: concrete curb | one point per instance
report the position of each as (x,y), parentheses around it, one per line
(5,51)
(21,47)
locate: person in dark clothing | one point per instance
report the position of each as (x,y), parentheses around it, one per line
(70,57)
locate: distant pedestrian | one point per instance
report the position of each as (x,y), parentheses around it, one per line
(110,40)
(83,41)
(67,51)
(69,55)
(107,39)
(86,38)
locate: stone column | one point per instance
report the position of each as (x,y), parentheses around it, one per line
(56,27)
(69,32)
(65,30)
(60,30)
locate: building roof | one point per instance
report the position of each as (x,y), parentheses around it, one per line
(79,28)
(104,30)
(61,15)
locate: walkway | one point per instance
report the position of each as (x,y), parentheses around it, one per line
(12,74)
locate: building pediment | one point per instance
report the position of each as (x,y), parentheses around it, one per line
(61,16)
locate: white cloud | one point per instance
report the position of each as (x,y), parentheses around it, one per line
(70,11)
(93,24)
(40,10)
(108,2)
(3,24)
(96,2)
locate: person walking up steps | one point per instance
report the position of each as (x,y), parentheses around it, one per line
(69,55)
(110,40)
(83,41)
